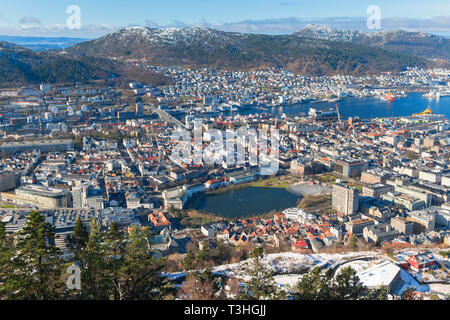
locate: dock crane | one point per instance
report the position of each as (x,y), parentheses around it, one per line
(339,114)
(339,125)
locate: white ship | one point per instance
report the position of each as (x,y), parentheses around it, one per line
(433,94)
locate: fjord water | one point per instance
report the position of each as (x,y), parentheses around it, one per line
(244,202)
(372,107)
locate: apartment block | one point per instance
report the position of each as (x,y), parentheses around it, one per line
(345,199)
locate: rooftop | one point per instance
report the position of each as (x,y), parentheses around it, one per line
(36,142)
(379,275)
(42,190)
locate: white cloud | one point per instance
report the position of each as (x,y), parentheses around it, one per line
(437,25)
(29,26)
(30,20)
(57,30)
(27,23)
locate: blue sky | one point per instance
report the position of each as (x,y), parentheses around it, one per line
(48,17)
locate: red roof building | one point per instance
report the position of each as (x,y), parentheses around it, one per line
(421,261)
(158,219)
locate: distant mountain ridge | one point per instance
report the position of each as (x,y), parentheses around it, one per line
(42,43)
(20,66)
(314,50)
(417,43)
(203,47)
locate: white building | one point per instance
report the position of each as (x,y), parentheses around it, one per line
(298,215)
(433,177)
(385,274)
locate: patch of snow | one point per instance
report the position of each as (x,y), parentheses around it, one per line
(411,282)
(287,280)
(440,288)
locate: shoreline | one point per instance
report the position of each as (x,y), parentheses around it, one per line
(260,109)
(192,203)
(241,186)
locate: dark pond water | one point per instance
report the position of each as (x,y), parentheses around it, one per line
(244,202)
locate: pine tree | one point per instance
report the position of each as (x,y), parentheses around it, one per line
(78,241)
(140,275)
(115,247)
(348,285)
(80,234)
(222,253)
(3,236)
(318,285)
(93,280)
(203,256)
(189,261)
(327,289)
(37,265)
(377,294)
(261,284)
(308,286)
(315,286)
(5,258)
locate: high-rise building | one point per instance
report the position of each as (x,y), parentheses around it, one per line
(84,196)
(139,109)
(345,199)
(189,121)
(78,196)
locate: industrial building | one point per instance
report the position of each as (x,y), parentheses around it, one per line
(43,146)
(39,196)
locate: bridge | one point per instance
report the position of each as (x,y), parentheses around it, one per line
(165,116)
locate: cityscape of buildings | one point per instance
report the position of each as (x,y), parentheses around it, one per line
(107,154)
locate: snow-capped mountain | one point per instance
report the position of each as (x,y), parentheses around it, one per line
(418,43)
(203,47)
(170,36)
(317,31)
(139,38)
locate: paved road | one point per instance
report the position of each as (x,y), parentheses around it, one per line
(166,116)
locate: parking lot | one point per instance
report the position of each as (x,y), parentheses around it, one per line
(306,189)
